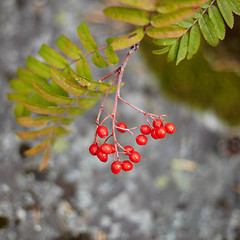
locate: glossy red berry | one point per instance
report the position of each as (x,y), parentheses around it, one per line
(157,123)
(106,148)
(135,157)
(116,167)
(161,132)
(141,140)
(170,128)
(113,148)
(102,131)
(93,149)
(145,129)
(128,150)
(121,125)
(153,133)
(127,165)
(102,156)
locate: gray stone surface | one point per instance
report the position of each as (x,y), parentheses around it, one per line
(185,188)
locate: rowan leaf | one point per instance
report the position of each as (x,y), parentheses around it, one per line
(217,21)
(112,57)
(45,161)
(130,15)
(183,47)
(59,131)
(225,9)
(39,148)
(128,40)
(87,103)
(208,30)
(17,97)
(165,41)
(75,111)
(164,20)
(86,38)
(21,111)
(38,67)
(68,48)
(103,87)
(98,60)
(83,69)
(68,84)
(46,110)
(148,5)
(20,86)
(172,55)
(194,41)
(84,82)
(186,23)
(165,32)
(162,50)
(96,94)
(51,96)
(52,57)
(35,122)
(235,6)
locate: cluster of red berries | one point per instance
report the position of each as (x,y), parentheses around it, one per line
(157,131)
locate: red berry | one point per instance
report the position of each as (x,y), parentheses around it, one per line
(127,165)
(170,128)
(93,149)
(121,125)
(157,123)
(128,150)
(106,148)
(153,133)
(141,140)
(102,131)
(161,132)
(116,167)
(135,157)
(145,129)
(102,156)
(113,148)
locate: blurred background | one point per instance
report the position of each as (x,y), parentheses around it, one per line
(186,187)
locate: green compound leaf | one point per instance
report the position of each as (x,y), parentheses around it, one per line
(96,94)
(129,15)
(162,51)
(217,21)
(225,9)
(103,87)
(165,41)
(51,96)
(68,48)
(39,148)
(187,23)
(148,5)
(167,6)
(235,6)
(38,67)
(194,41)
(35,134)
(208,30)
(87,103)
(98,60)
(183,47)
(17,97)
(165,32)
(68,84)
(86,38)
(128,40)
(46,110)
(84,82)
(112,57)
(164,20)
(20,87)
(83,69)
(172,55)
(52,57)
(35,122)
(21,111)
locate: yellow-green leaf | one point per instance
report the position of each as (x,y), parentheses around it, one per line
(129,15)
(21,111)
(45,161)
(148,5)
(89,84)
(164,20)
(98,60)
(165,41)
(35,134)
(51,96)
(59,131)
(68,84)
(87,102)
(38,67)
(112,57)
(68,47)
(128,40)
(225,9)
(194,41)
(17,97)
(162,50)
(83,69)
(52,57)
(235,6)
(165,32)
(96,94)
(75,111)
(20,86)
(86,38)
(39,148)
(183,47)
(172,55)
(35,122)
(103,87)
(47,110)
